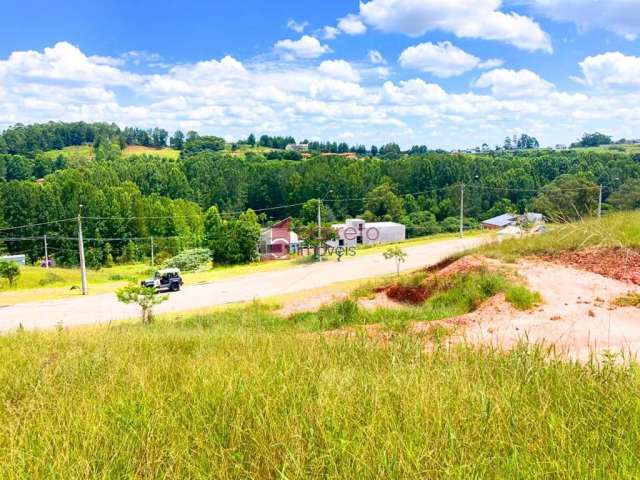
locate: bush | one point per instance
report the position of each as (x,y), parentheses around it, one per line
(522,298)
(189,260)
(50,278)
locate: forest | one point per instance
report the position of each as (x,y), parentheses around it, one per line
(128,199)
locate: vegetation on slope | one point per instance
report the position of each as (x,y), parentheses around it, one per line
(614,230)
(245,394)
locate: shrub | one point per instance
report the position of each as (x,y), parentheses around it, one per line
(337,314)
(50,278)
(10,271)
(522,298)
(189,260)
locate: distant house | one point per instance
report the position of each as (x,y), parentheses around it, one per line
(278,241)
(509,219)
(501,221)
(298,147)
(356,231)
(19,259)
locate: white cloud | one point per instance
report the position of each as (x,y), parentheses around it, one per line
(619,16)
(312,99)
(340,69)
(305,47)
(491,63)
(415,91)
(351,25)
(329,33)
(611,69)
(463,18)
(514,83)
(376,57)
(442,59)
(64,61)
(297,27)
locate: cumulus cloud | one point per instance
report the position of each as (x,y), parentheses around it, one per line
(64,61)
(514,83)
(376,57)
(305,47)
(225,96)
(619,16)
(339,69)
(463,18)
(442,59)
(611,69)
(329,33)
(297,27)
(352,25)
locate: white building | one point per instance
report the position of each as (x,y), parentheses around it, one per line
(19,259)
(356,231)
(298,147)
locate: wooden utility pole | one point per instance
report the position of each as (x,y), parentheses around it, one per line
(46,253)
(461,210)
(83,268)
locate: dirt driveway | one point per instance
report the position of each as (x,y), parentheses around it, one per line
(104,308)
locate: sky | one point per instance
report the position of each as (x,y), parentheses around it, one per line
(442,73)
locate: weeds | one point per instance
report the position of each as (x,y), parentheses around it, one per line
(631,299)
(522,298)
(243,395)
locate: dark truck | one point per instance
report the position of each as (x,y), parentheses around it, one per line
(167,280)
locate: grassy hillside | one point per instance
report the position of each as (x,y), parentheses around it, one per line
(139,150)
(245,394)
(613,230)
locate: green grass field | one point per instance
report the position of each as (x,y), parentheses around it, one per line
(245,394)
(161,152)
(242,392)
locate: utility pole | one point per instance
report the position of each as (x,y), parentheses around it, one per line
(600,202)
(152,251)
(46,253)
(319,231)
(461,210)
(83,268)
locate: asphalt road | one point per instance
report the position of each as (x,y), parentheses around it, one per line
(105,308)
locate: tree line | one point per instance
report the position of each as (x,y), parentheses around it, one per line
(136,197)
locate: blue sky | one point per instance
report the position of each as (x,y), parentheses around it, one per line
(448,74)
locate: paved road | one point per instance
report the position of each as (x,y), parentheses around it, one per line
(104,308)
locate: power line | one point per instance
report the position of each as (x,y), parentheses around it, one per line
(37,224)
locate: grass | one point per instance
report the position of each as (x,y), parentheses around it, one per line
(75,154)
(245,394)
(629,300)
(614,230)
(159,152)
(522,298)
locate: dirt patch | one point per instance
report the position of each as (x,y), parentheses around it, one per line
(466,264)
(379,300)
(412,295)
(619,263)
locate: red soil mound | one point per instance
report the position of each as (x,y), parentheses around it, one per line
(619,263)
(416,295)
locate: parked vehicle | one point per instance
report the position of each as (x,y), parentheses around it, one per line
(167,280)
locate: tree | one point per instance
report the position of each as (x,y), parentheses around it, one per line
(593,140)
(309,212)
(627,197)
(567,198)
(198,144)
(177,141)
(383,204)
(397,254)
(251,140)
(10,271)
(145,297)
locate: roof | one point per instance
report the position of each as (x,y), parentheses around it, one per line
(383,224)
(501,220)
